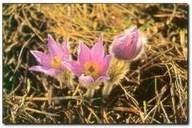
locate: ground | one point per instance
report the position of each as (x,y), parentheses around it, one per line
(154,91)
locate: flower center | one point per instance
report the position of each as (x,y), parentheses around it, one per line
(91,69)
(56,62)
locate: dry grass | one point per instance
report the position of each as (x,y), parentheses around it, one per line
(154,91)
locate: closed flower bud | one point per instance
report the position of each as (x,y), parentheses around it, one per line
(128,45)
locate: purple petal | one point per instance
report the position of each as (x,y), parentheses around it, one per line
(41,57)
(130,38)
(75,68)
(139,48)
(120,36)
(125,46)
(119,51)
(97,51)
(131,45)
(46,70)
(125,36)
(54,47)
(105,65)
(102,78)
(85,81)
(84,54)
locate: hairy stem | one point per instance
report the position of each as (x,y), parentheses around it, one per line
(90,93)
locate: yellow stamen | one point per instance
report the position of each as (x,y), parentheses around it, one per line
(92,69)
(56,62)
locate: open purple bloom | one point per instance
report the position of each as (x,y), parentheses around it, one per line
(53,62)
(92,64)
(127,45)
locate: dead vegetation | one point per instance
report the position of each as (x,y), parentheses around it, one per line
(154,91)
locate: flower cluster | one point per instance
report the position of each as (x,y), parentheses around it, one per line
(92,66)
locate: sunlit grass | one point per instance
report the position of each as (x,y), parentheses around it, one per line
(155,90)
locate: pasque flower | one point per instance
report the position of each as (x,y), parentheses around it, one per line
(128,45)
(92,64)
(54,61)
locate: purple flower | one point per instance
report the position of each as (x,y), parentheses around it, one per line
(92,64)
(127,45)
(53,62)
